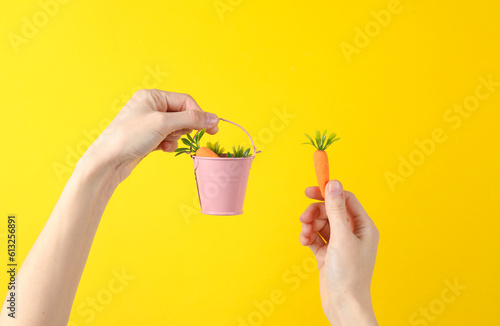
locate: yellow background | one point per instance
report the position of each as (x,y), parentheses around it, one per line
(71,74)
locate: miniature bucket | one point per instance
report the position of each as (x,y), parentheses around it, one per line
(222,181)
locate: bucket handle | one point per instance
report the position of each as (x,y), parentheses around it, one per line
(246,132)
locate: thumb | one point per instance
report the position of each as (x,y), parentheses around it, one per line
(189,119)
(336,209)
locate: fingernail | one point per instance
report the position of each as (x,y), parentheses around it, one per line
(335,188)
(211,119)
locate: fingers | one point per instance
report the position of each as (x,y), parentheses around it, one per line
(168,101)
(340,218)
(314,242)
(318,226)
(179,102)
(167,146)
(213,130)
(172,138)
(353,205)
(363,226)
(312,212)
(315,215)
(335,206)
(315,227)
(190,119)
(181,132)
(193,117)
(314,193)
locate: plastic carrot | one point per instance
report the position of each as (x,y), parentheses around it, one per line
(205,152)
(320,157)
(216,148)
(194,147)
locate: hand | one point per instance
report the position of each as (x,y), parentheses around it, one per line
(151,120)
(347,258)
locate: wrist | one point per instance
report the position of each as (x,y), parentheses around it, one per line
(352,310)
(97,169)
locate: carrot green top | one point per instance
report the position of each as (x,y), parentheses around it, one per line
(239,152)
(215,147)
(192,142)
(322,142)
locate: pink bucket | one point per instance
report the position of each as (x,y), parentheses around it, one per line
(222,181)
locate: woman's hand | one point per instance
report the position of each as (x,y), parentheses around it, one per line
(151,120)
(347,258)
(51,272)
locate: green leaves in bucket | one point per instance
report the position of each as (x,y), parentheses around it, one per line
(216,148)
(211,150)
(193,144)
(239,152)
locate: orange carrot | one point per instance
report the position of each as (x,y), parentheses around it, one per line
(321,167)
(320,157)
(205,152)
